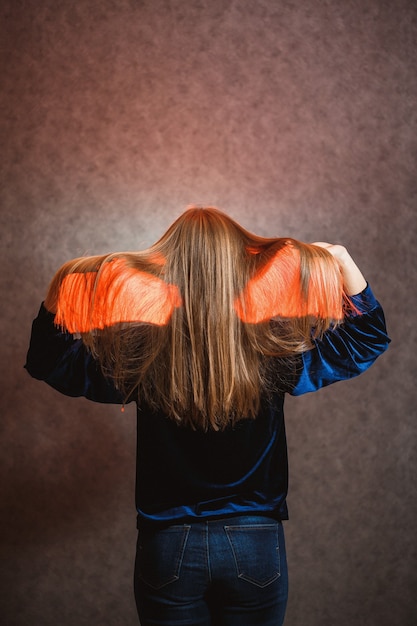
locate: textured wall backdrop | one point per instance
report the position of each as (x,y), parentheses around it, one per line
(299,119)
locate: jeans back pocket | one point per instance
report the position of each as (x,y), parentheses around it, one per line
(159,555)
(256,552)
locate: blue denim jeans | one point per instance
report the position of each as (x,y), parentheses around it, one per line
(229,572)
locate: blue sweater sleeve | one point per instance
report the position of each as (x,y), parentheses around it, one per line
(346,351)
(65,364)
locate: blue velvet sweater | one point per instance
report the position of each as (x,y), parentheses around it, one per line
(185,475)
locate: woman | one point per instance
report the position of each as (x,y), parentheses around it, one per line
(206,331)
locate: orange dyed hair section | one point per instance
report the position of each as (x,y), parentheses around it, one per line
(281,290)
(115,294)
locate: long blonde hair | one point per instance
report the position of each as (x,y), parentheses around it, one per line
(205,359)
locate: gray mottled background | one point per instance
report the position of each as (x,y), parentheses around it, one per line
(299,119)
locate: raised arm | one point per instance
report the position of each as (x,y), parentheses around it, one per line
(352,347)
(64,363)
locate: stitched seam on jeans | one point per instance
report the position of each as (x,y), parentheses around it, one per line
(182,551)
(208,553)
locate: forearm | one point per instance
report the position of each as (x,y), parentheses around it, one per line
(353,280)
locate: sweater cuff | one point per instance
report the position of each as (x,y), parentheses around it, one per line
(364,301)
